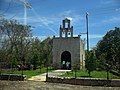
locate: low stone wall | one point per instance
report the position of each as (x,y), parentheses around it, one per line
(12,77)
(85,81)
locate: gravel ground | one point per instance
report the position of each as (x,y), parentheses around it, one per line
(35,85)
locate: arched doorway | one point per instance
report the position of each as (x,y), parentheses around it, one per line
(66,60)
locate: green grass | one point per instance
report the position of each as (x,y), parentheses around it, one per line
(29,73)
(94,74)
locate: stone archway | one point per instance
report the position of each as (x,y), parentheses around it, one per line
(66,60)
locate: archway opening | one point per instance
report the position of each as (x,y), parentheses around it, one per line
(66,60)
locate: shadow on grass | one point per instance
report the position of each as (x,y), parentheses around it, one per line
(86,76)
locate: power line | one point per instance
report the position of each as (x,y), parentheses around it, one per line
(7,8)
(13,16)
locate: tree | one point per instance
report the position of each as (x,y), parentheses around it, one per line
(75,68)
(15,42)
(108,50)
(17,46)
(35,53)
(41,52)
(47,50)
(90,62)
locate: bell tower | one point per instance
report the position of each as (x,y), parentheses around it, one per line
(66,30)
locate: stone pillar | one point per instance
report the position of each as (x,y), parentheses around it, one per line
(66,33)
(63,24)
(60,31)
(72,31)
(69,24)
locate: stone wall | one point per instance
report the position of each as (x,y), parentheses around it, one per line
(73,45)
(85,82)
(12,77)
(82,54)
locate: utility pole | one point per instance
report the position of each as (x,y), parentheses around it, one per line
(87,31)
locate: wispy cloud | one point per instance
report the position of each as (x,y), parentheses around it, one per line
(112,20)
(44,21)
(93,36)
(40,37)
(13,1)
(49,22)
(66,13)
(106,21)
(39,21)
(74,16)
(71,14)
(7,1)
(117,9)
(104,2)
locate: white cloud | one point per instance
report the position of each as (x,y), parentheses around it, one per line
(39,21)
(106,21)
(66,13)
(104,2)
(70,18)
(111,20)
(93,36)
(40,37)
(71,14)
(7,1)
(49,22)
(117,9)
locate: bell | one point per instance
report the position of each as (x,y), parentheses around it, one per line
(69,33)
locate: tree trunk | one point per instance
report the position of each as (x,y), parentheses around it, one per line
(89,73)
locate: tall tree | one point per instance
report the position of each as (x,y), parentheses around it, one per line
(90,61)
(16,40)
(47,50)
(108,49)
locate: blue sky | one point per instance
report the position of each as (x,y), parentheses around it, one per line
(45,16)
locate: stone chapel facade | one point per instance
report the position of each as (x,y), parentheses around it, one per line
(68,51)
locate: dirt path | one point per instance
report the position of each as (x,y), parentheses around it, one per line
(42,77)
(35,85)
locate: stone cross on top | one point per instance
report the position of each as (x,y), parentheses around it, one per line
(66,30)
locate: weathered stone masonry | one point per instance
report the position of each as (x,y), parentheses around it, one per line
(68,50)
